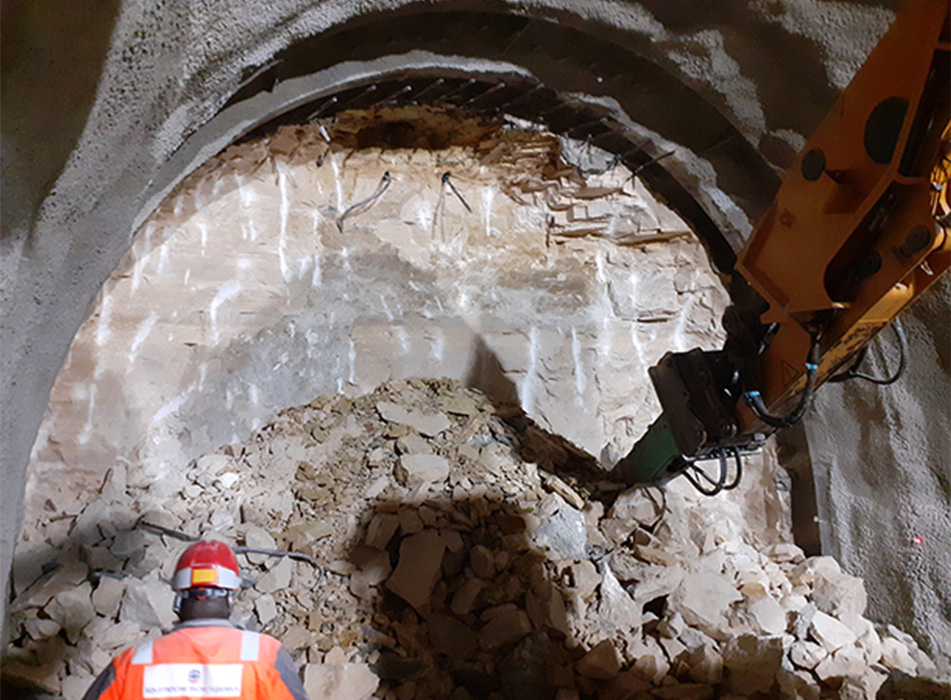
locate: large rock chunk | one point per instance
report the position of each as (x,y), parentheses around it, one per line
(381,529)
(704,599)
(753,663)
(525,673)
(560,528)
(278,578)
(148,604)
(706,664)
(451,637)
(839,594)
(43,591)
(847,661)
(507,627)
(107,596)
(343,681)
(258,538)
(864,687)
(830,633)
(72,609)
(806,655)
(429,425)
(616,607)
(412,469)
(418,568)
(769,616)
(895,655)
(602,662)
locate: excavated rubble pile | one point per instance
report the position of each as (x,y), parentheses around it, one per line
(456,565)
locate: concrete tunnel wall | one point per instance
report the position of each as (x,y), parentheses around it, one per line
(111,104)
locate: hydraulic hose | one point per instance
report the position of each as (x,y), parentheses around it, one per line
(853,373)
(755,401)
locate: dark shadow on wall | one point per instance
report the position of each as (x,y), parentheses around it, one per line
(89,544)
(52,56)
(551,452)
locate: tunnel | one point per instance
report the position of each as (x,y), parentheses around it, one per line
(226,223)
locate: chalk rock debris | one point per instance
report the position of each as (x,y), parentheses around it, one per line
(457,564)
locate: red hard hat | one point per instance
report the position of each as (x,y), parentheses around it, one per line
(207,565)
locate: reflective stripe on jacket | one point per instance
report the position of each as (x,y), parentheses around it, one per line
(197,661)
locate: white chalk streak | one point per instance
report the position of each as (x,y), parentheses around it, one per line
(229,290)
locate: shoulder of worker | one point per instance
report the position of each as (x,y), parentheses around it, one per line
(253,641)
(208,622)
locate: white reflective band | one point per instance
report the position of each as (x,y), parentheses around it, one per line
(182,579)
(192,681)
(143,654)
(228,579)
(225,578)
(250,642)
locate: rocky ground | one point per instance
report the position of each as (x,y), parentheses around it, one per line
(464,554)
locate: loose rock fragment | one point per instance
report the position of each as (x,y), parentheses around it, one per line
(753,663)
(62,579)
(830,633)
(769,616)
(704,599)
(847,661)
(72,609)
(343,681)
(414,469)
(506,628)
(806,654)
(561,528)
(895,656)
(277,579)
(266,608)
(602,662)
(381,529)
(108,594)
(482,562)
(557,485)
(429,425)
(418,568)
(148,604)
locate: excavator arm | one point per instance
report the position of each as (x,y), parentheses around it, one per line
(860,227)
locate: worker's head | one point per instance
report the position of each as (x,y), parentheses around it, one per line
(206,577)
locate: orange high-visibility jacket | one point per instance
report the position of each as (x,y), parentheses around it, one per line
(202,659)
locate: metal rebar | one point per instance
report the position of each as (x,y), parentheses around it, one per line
(469,83)
(485,93)
(323,106)
(651,162)
(438,82)
(381,188)
(447,181)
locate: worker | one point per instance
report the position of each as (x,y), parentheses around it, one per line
(205,656)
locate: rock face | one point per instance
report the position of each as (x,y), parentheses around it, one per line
(487,583)
(417,286)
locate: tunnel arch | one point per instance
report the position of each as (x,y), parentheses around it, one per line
(716,178)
